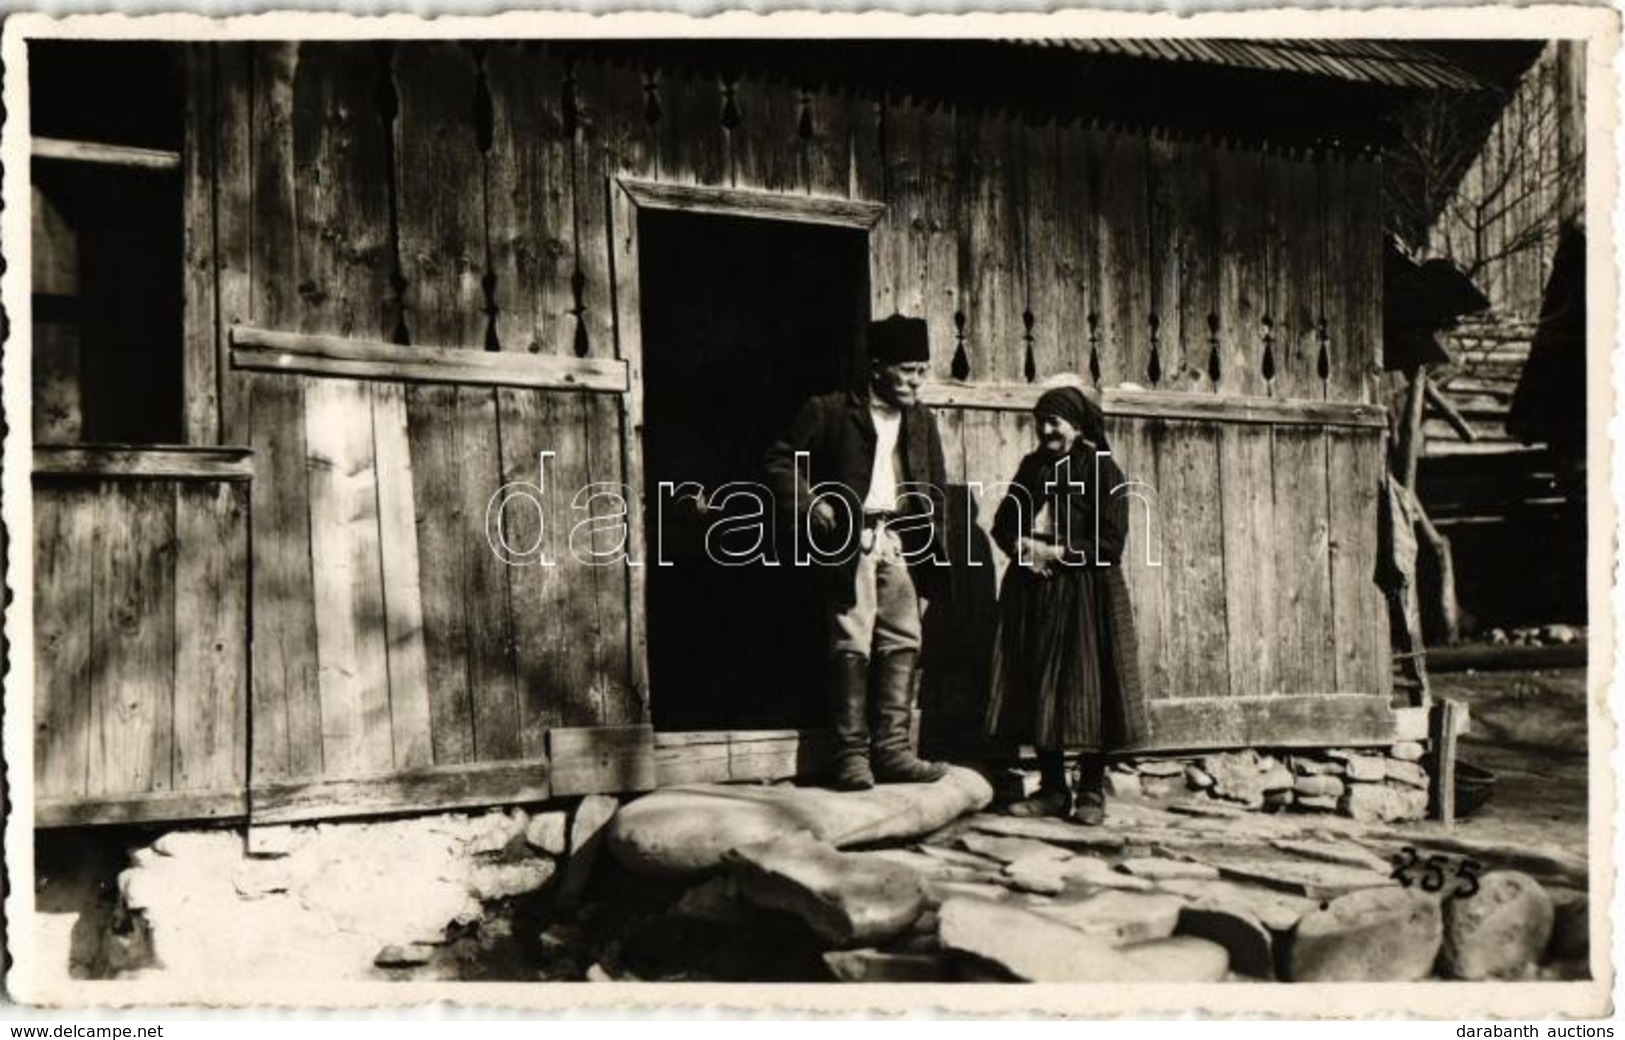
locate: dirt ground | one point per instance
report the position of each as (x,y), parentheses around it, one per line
(1530,730)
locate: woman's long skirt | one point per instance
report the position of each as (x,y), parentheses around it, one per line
(1065,662)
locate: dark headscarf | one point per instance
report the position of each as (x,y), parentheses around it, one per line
(1070,403)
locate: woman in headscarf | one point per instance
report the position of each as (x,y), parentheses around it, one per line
(1064,660)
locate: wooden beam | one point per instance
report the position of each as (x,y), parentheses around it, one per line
(121,461)
(1295,720)
(1506,658)
(1412,437)
(265,350)
(1451,415)
(600,759)
(104,154)
(152,807)
(767,205)
(1162,404)
(722,756)
(1442,776)
(423,790)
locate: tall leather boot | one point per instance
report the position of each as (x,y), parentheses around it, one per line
(891,706)
(1054,795)
(848,697)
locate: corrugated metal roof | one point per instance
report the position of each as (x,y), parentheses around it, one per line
(1394,63)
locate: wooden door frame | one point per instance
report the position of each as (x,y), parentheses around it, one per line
(629,196)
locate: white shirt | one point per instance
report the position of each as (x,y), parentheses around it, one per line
(882,497)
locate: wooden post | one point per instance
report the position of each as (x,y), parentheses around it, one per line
(1443,724)
(1411,436)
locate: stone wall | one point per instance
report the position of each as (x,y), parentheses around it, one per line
(1368,784)
(455,895)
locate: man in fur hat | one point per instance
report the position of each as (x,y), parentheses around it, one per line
(864,472)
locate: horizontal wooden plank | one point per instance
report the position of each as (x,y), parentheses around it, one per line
(265,350)
(721,756)
(595,759)
(104,154)
(1510,658)
(1155,404)
(161,463)
(735,202)
(1296,720)
(441,787)
(148,807)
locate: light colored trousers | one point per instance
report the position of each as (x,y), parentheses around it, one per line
(885,614)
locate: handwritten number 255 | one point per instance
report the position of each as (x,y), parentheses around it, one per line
(1432,871)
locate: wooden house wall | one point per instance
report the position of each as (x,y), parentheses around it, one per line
(447,195)
(1501,225)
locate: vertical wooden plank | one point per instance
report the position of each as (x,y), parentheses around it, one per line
(614,138)
(896,281)
(1073,249)
(1355,475)
(1146,565)
(410,724)
(342,207)
(767,143)
(532,234)
(452,432)
(434,163)
(1197,228)
(827,155)
(64,522)
(629,347)
(1303,588)
(491,675)
(200,364)
(1195,635)
(1334,292)
(1163,258)
(1243,298)
(441,538)
(1124,249)
(232,210)
(693,142)
(1300,228)
(1365,252)
(133,619)
(211,632)
(1442,727)
(286,703)
(932,226)
(351,645)
(988,251)
(1247,495)
(1042,266)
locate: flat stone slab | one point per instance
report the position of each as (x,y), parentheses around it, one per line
(1156,868)
(1038,949)
(1011,850)
(686,830)
(1301,877)
(1118,917)
(846,898)
(1040,828)
(1277,911)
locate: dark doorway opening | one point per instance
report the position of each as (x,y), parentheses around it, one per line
(743,319)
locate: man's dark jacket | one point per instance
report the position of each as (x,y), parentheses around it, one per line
(838,435)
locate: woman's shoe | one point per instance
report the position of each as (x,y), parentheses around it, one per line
(1047,802)
(1089,808)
